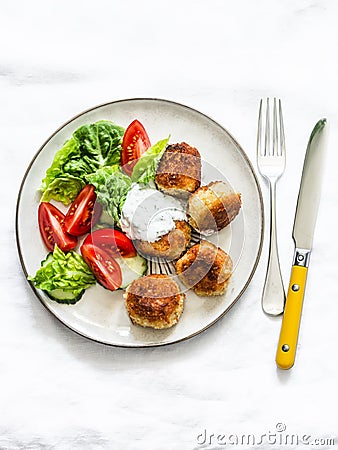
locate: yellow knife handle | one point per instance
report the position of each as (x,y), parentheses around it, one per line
(288,338)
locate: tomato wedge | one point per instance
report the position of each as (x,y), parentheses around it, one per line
(83,213)
(51,224)
(116,243)
(104,267)
(135,142)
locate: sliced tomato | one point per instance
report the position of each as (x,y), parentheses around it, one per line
(51,224)
(135,142)
(113,241)
(83,213)
(104,267)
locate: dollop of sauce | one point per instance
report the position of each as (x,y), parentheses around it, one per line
(148,214)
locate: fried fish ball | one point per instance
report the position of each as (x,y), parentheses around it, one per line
(170,246)
(179,170)
(205,268)
(211,208)
(154,301)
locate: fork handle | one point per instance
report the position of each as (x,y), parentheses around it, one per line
(273,298)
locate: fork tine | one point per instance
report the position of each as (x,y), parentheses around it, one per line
(271,132)
(267,130)
(275,132)
(168,268)
(271,165)
(259,129)
(281,128)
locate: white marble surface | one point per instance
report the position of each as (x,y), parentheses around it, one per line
(61,391)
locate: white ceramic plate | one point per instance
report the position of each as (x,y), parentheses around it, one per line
(100,315)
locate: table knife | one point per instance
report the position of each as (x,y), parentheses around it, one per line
(303,230)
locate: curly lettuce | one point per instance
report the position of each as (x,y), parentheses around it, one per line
(91,147)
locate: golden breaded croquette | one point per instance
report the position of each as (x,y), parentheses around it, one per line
(154,301)
(213,207)
(205,268)
(170,246)
(179,170)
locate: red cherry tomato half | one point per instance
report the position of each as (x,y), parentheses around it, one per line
(51,224)
(83,213)
(104,267)
(113,241)
(135,142)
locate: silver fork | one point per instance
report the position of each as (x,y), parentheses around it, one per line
(271,165)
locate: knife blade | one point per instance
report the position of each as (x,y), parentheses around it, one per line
(303,231)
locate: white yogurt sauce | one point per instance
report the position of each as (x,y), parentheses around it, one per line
(148,214)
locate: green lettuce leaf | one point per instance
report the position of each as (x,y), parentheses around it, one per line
(111,187)
(90,148)
(63,188)
(67,272)
(100,143)
(145,168)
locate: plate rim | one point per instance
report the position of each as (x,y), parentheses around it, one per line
(260,196)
